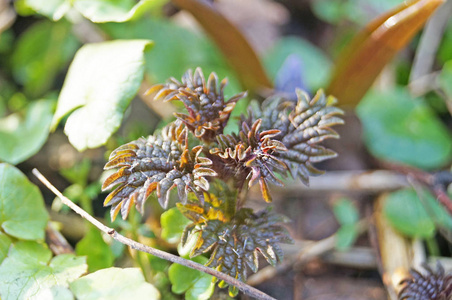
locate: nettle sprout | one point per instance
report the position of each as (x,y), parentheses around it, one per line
(212,170)
(432,285)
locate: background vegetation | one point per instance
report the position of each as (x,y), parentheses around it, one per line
(73,76)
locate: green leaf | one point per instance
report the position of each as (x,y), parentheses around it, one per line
(195,284)
(41,53)
(435,210)
(445,79)
(173,224)
(346,236)
(98,253)
(101,11)
(406,214)
(315,64)
(5,242)
(345,211)
(402,129)
(22,137)
(101,82)
(358,11)
(22,211)
(78,173)
(28,269)
(53,9)
(114,284)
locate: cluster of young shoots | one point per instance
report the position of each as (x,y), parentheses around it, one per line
(212,171)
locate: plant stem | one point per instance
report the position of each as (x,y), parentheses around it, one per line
(432,246)
(141,258)
(246,289)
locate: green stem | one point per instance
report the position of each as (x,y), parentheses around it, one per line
(432,246)
(141,257)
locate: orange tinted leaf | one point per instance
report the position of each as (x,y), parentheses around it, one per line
(231,42)
(363,59)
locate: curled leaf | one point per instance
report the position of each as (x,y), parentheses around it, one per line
(249,155)
(208,112)
(156,164)
(302,126)
(236,243)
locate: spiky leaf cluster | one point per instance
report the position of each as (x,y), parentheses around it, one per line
(303,125)
(208,112)
(433,285)
(236,242)
(250,154)
(158,163)
(281,137)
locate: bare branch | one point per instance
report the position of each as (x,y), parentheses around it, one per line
(246,289)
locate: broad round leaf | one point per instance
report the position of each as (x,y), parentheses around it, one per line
(21,138)
(53,9)
(99,255)
(406,214)
(114,284)
(101,81)
(195,284)
(22,211)
(402,129)
(28,270)
(100,11)
(173,224)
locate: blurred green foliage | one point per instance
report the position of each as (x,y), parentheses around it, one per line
(402,129)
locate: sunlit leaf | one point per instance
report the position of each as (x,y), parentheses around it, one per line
(40,53)
(195,284)
(366,55)
(53,9)
(22,211)
(405,213)
(98,253)
(402,129)
(101,82)
(114,284)
(314,66)
(100,11)
(56,292)
(5,242)
(231,42)
(29,269)
(22,137)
